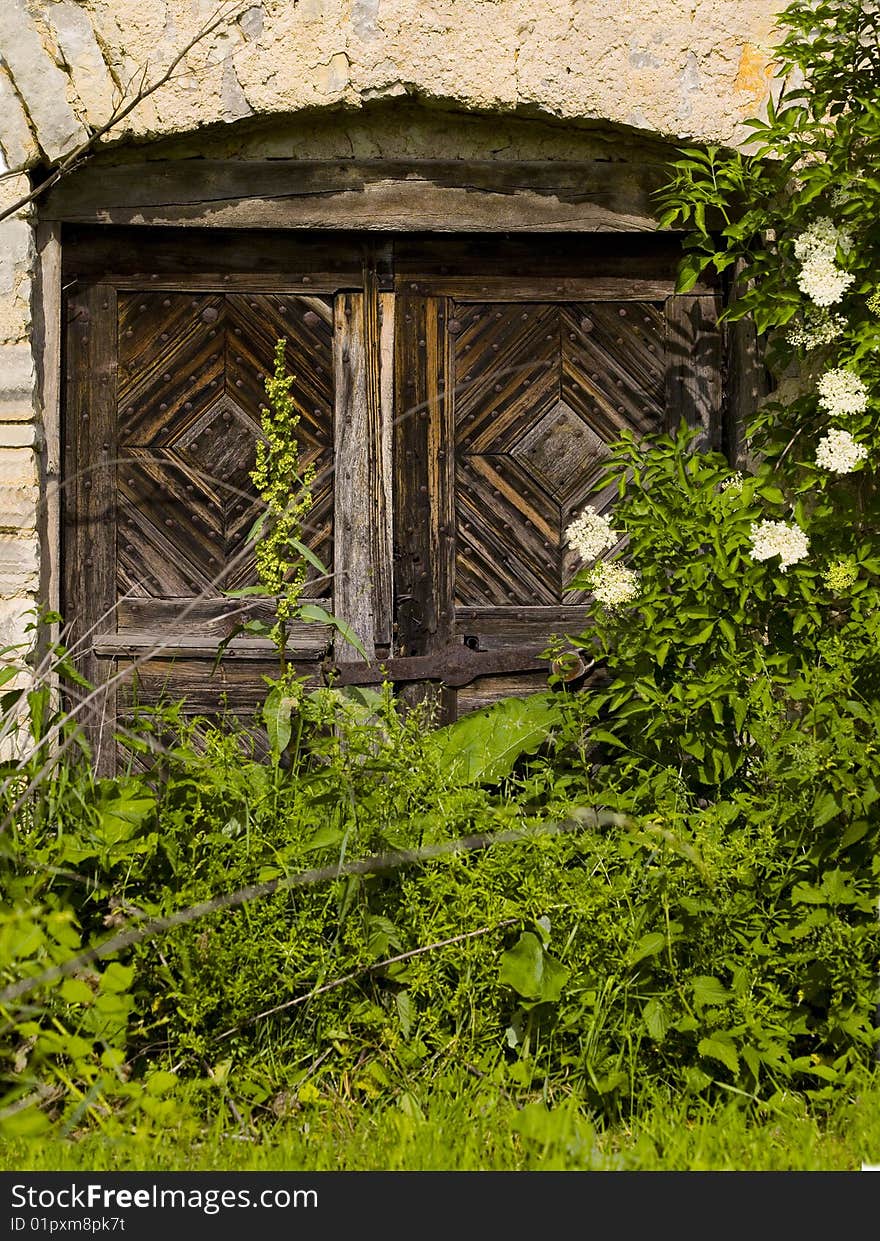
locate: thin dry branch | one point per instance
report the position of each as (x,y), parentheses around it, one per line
(366,969)
(86,149)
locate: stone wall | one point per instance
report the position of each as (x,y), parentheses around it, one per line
(19,561)
(504,79)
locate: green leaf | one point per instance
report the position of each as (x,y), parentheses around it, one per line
(825,808)
(308,555)
(728,630)
(531,972)
(708,990)
(325,837)
(720,1049)
(602,734)
(314,612)
(350,636)
(75,991)
(648,946)
(277,711)
(159,1082)
(68,672)
(522,967)
(854,833)
(656,1020)
(806,894)
(689,271)
(701,636)
(838,888)
(257,527)
(117,977)
(483,747)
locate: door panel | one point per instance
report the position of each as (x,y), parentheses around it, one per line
(162,432)
(508,430)
(191,385)
(540,390)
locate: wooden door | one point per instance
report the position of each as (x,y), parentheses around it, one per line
(504,418)
(162,418)
(457,397)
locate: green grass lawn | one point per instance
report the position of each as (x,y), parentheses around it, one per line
(484,1131)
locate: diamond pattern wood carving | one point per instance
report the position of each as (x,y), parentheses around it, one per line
(540,391)
(191,374)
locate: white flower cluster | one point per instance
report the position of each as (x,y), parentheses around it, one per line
(816,248)
(838,451)
(842,392)
(613,583)
(590,534)
(734,483)
(823,239)
(776,538)
(823,282)
(819,328)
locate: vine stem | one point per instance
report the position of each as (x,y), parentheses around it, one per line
(367,969)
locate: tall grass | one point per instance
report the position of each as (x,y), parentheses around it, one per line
(470,1128)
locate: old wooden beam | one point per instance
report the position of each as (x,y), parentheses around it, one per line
(423,195)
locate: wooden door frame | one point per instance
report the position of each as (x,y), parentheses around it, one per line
(96,226)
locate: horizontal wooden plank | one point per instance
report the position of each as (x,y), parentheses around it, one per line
(169,258)
(518,254)
(548,289)
(444,196)
(212,617)
(239,688)
(553,268)
(486,691)
(170,645)
(502,621)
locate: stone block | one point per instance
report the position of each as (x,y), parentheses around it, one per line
(18,434)
(16,249)
(16,383)
(72,27)
(19,507)
(15,314)
(39,82)
(15,616)
(18,467)
(16,138)
(19,565)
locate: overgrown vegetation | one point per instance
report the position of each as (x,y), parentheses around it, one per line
(660,894)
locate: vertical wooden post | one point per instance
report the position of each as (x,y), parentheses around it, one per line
(424,527)
(747,381)
(363,330)
(90,499)
(47,354)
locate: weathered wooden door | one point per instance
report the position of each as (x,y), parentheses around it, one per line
(169,341)
(163,419)
(511,388)
(456,399)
